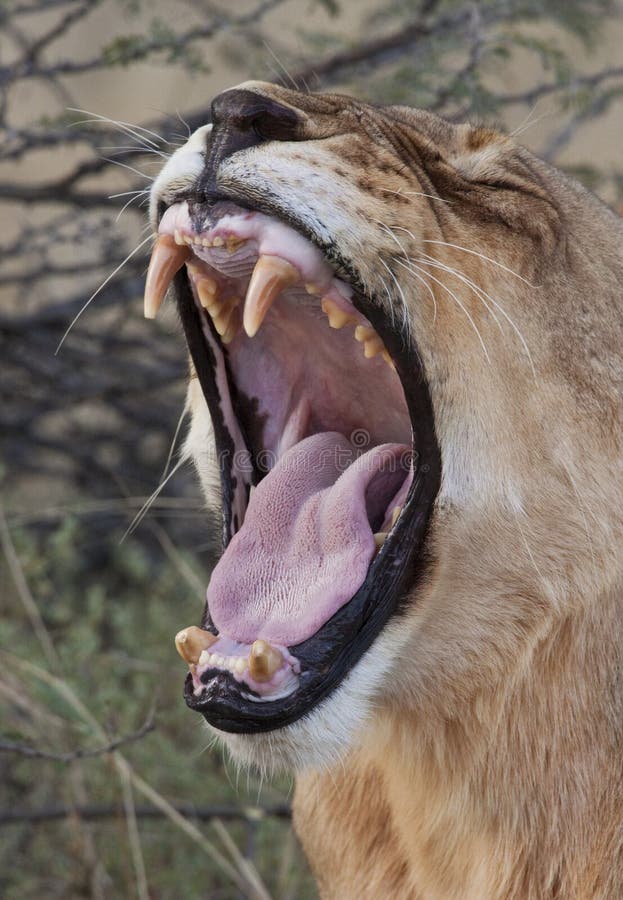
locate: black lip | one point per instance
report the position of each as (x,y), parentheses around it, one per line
(327,657)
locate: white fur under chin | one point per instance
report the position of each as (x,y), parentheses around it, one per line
(321,738)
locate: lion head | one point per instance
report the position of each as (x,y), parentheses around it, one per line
(414,415)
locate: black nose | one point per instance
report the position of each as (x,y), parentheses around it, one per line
(243,119)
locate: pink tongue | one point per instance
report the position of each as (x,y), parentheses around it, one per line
(306,543)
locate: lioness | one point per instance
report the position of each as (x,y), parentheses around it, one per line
(416,419)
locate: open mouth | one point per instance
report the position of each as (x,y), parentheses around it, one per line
(326,447)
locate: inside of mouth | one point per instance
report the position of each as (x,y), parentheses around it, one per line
(317,428)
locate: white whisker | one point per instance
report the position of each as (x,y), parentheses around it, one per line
(416,194)
(427,260)
(127,193)
(174,441)
(479,291)
(100,288)
(133,130)
(142,150)
(444,287)
(405,308)
(430,291)
(482,256)
(138,518)
(115,162)
(482,294)
(125,206)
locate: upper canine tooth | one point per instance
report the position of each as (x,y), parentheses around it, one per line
(270,277)
(191,641)
(395,514)
(264,661)
(166,259)
(338,317)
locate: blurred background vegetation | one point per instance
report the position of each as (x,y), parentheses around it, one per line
(109,787)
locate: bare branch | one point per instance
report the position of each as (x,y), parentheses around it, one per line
(543,90)
(72,756)
(94,813)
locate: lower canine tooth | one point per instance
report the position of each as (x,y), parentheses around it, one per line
(191,642)
(166,259)
(264,661)
(270,277)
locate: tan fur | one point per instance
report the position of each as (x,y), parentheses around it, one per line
(487,759)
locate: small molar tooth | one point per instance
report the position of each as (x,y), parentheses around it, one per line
(233,327)
(379,539)
(223,318)
(372,347)
(240,665)
(364,333)
(218,241)
(207,289)
(338,317)
(270,277)
(166,259)
(205,242)
(388,360)
(192,642)
(264,661)
(233,243)
(312,288)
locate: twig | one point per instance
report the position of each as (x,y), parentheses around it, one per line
(94,812)
(23,591)
(36,753)
(543,90)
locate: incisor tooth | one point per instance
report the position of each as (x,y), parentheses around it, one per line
(264,661)
(166,259)
(338,317)
(270,277)
(192,641)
